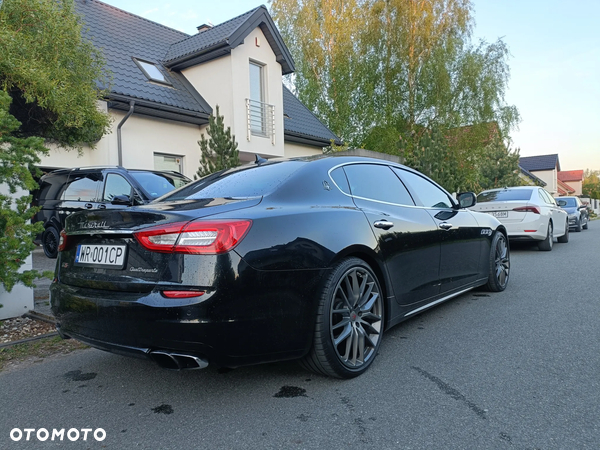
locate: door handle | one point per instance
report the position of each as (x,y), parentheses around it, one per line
(445,225)
(89,205)
(385,224)
(102,206)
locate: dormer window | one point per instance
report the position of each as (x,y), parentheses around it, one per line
(151,71)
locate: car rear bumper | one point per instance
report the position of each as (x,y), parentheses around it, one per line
(244,325)
(527,231)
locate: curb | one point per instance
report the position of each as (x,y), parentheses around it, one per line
(23,341)
(40,316)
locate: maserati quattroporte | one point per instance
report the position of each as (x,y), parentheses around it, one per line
(309,259)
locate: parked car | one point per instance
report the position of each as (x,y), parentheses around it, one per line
(528,213)
(309,258)
(65,191)
(577,211)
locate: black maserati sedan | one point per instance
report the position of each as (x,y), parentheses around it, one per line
(307,258)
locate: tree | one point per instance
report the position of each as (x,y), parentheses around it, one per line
(499,167)
(51,72)
(386,74)
(49,79)
(17,163)
(220,150)
(591,184)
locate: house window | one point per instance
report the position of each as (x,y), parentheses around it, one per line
(168,162)
(151,71)
(260,114)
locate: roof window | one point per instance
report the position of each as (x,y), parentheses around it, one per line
(151,71)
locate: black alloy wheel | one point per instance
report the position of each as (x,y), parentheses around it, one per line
(349,324)
(546,244)
(578,225)
(499,264)
(50,240)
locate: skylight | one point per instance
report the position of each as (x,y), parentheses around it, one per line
(151,71)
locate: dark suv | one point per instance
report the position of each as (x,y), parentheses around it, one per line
(65,191)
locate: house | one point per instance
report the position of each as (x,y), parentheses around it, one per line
(166,83)
(530,179)
(574,179)
(545,167)
(564,189)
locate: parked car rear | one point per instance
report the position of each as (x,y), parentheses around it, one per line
(528,212)
(65,191)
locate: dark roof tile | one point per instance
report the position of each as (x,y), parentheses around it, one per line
(543,162)
(302,123)
(122,36)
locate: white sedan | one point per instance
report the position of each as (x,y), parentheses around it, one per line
(528,213)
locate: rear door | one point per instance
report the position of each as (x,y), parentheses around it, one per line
(408,239)
(462,239)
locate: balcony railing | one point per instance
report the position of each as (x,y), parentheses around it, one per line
(261,119)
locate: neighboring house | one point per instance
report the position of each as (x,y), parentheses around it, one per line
(530,179)
(545,167)
(564,189)
(166,83)
(574,178)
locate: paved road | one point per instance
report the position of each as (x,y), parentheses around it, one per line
(515,370)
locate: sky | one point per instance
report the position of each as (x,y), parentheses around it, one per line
(554,62)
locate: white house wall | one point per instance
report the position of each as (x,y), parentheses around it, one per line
(292,150)
(226,82)
(548,176)
(141,138)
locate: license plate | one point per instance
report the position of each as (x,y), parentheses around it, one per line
(499,214)
(112,256)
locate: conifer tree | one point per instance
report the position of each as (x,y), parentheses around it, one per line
(18,157)
(220,150)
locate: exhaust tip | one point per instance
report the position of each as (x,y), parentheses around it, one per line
(178,361)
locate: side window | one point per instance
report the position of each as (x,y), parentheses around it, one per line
(377,182)
(430,195)
(115,185)
(83,188)
(339,178)
(547,198)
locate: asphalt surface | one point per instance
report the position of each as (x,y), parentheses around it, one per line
(512,370)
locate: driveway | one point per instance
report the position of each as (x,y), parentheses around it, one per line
(511,370)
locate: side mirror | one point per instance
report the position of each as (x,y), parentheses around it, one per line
(561,203)
(466,199)
(121,200)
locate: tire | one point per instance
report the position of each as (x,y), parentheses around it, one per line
(349,322)
(565,237)
(585,226)
(499,264)
(546,244)
(577,225)
(50,240)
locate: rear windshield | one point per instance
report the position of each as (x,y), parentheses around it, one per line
(505,195)
(570,202)
(246,182)
(155,184)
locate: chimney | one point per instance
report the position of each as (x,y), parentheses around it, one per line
(204,27)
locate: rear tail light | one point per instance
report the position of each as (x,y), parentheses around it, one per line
(208,237)
(62,241)
(533,209)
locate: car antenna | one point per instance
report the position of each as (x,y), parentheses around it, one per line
(258,161)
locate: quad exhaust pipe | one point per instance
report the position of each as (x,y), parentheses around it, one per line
(178,361)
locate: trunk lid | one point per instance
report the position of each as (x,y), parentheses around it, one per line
(126,265)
